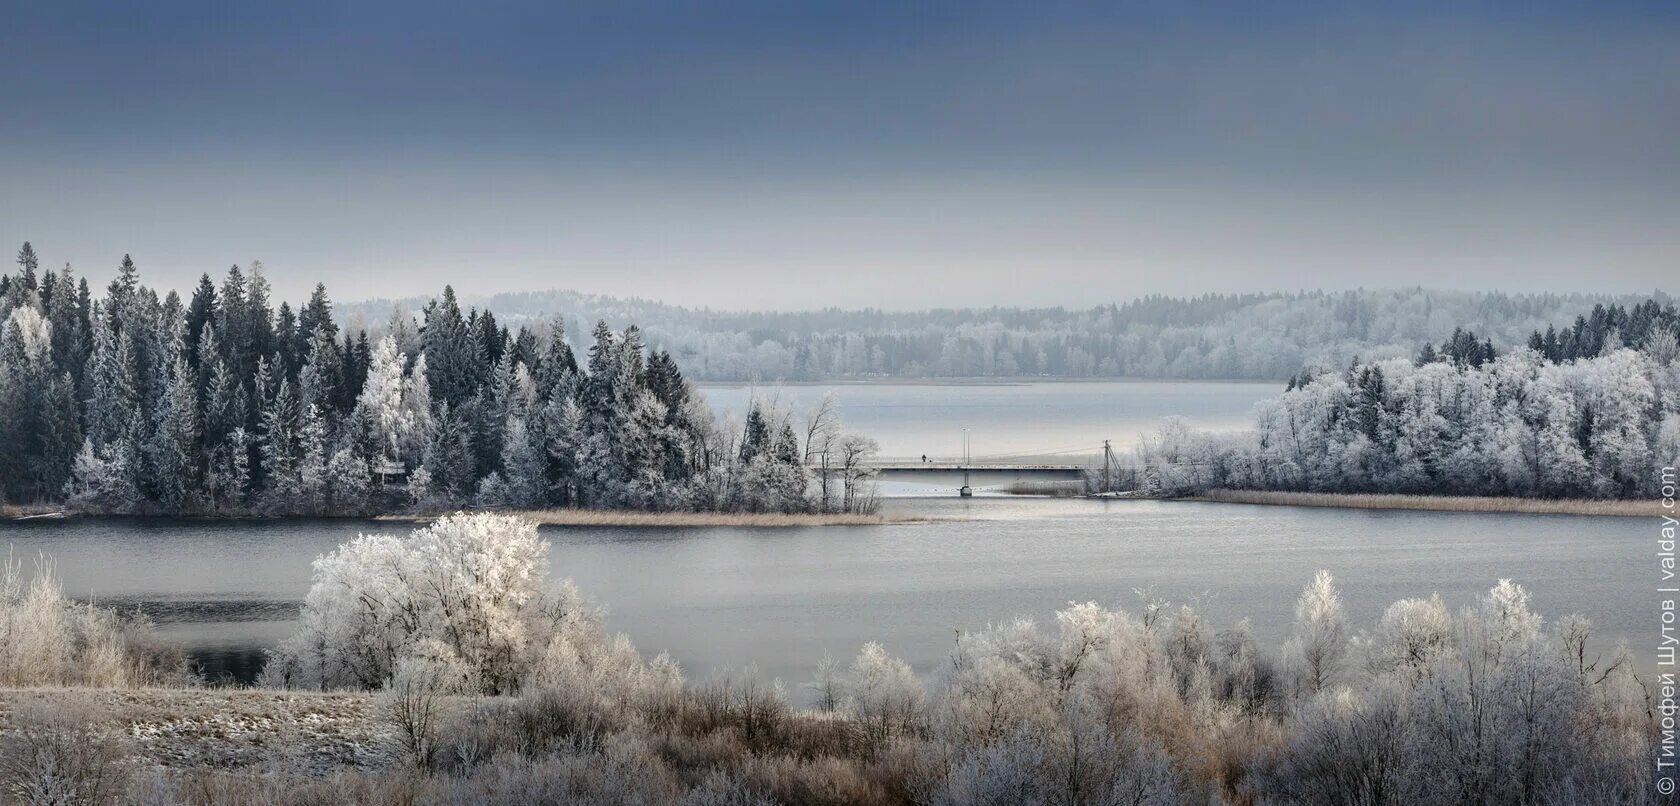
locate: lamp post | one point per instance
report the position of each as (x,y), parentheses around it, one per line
(966,491)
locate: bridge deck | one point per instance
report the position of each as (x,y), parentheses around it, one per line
(975,467)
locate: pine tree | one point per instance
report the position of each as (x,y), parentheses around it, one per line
(28,263)
(69,334)
(174,452)
(522,466)
(315,319)
(277,442)
(202,311)
(755,436)
(39,429)
(233,318)
(491,413)
(451,366)
(557,372)
(449,458)
(286,343)
(314,455)
(112,397)
(562,435)
(260,319)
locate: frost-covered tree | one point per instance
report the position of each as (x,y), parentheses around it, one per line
(224,404)
(1516,425)
(1321,642)
(467,589)
(40,431)
(383,412)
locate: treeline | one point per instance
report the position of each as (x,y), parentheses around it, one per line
(1238,336)
(1606,328)
(1462,420)
(222,404)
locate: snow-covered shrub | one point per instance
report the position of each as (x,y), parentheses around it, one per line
(882,693)
(467,590)
(101,481)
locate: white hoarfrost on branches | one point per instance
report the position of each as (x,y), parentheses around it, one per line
(467,591)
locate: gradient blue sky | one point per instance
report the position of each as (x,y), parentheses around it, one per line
(777,154)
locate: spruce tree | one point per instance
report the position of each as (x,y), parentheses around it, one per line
(201,311)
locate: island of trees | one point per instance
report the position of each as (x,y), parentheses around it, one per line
(223,405)
(1591,411)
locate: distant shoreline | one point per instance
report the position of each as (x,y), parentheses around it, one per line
(12,513)
(1436,503)
(632,518)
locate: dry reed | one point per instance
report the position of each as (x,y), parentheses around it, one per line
(1438,503)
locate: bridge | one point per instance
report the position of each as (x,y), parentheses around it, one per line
(1057,471)
(1002,470)
(972,474)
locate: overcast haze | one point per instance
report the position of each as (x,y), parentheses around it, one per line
(898,155)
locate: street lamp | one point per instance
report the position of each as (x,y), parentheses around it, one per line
(966,490)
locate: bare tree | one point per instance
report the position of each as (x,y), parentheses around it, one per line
(855,450)
(822,430)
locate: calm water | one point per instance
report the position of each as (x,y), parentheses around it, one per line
(720,598)
(1030,419)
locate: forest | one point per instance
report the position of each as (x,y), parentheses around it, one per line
(222,404)
(1582,413)
(1213,336)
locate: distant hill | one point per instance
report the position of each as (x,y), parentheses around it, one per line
(1214,336)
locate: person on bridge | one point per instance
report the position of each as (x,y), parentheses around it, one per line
(924,457)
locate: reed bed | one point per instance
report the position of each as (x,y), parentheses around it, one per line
(1440,503)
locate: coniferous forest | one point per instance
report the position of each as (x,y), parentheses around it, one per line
(228,404)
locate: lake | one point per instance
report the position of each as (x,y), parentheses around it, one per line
(720,598)
(1009,420)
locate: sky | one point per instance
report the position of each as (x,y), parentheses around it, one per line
(896,155)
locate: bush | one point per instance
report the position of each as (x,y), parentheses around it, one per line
(465,590)
(48,640)
(63,755)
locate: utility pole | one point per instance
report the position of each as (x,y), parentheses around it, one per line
(1108,455)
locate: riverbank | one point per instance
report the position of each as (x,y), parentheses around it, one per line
(631,518)
(1435,503)
(23,512)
